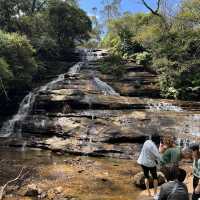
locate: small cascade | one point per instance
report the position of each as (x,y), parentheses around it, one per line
(24,146)
(9,127)
(49,85)
(24,109)
(75,69)
(104,87)
(162,106)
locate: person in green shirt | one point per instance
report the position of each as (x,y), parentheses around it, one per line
(170,157)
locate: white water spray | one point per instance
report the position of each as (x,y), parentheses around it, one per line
(162,106)
(104,87)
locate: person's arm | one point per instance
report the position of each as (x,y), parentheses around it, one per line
(156,153)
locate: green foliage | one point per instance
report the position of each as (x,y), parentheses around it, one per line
(112,65)
(168,74)
(17,57)
(170,50)
(69,24)
(143,58)
(5,72)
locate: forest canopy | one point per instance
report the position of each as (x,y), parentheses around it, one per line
(33,32)
(166,40)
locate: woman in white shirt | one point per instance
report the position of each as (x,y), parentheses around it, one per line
(148,159)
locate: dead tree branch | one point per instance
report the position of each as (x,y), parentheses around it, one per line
(3,188)
(4,89)
(156,11)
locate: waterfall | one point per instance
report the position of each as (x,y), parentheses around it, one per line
(9,127)
(104,87)
(162,106)
(75,69)
(49,85)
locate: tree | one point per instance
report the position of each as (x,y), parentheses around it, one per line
(17,63)
(68,24)
(111,9)
(96,27)
(157,12)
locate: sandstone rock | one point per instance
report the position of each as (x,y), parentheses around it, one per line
(32,190)
(58,190)
(139,178)
(77,117)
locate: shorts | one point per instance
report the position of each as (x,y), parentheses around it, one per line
(152,170)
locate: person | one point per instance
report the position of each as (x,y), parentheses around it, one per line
(176,189)
(196,171)
(166,142)
(170,157)
(148,159)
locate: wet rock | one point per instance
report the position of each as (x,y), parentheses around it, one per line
(51,194)
(139,180)
(32,190)
(55,193)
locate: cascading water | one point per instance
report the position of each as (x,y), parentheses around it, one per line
(9,127)
(75,69)
(162,106)
(104,87)
(49,86)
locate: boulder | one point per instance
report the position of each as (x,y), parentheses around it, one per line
(32,190)
(139,178)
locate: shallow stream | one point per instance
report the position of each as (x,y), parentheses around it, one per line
(83,178)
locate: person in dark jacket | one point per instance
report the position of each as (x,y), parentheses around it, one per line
(176,189)
(196,171)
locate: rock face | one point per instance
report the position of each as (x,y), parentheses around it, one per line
(83,116)
(139,178)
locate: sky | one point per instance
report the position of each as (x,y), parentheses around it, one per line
(126,5)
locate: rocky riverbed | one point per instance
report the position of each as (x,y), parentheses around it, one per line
(52,177)
(67,177)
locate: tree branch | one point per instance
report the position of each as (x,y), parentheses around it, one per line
(33,6)
(3,88)
(41,5)
(155,12)
(20,175)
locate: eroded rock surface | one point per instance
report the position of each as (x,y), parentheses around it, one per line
(83,116)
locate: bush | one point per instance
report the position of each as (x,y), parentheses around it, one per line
(163,65)
(112,65)
(5,72)
(47,48)
(143,58)
(16,57)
